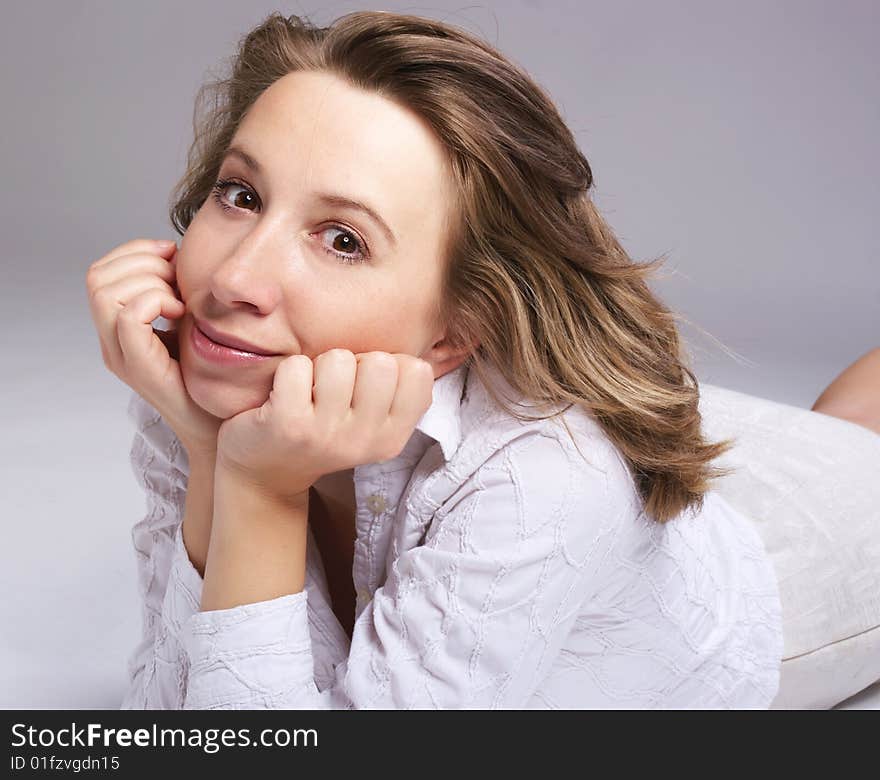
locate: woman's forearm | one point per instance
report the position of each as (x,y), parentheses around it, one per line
(257,547)
(199,509)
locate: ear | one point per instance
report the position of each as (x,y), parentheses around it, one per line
(444,358)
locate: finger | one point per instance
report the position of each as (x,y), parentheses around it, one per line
(137,339)
(290,400)
(131,265)
(123,290)
(335,372)
(138,245)
(375,388)
(109,300)
(108,303)
(415,389)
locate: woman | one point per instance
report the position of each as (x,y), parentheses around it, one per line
(422,436)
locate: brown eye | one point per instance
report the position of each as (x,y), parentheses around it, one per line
(342,245)
(240,201)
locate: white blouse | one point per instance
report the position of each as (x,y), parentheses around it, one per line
(496,566)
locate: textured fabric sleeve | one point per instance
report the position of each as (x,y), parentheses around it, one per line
(168,583)
(471,618)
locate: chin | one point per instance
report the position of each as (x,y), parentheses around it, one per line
(223,399)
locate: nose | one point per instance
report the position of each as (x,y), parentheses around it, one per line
(249,277)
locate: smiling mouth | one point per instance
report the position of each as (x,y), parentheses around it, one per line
(214,352)
(231,342)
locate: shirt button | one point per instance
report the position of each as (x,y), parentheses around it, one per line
(377,503)
(364,596)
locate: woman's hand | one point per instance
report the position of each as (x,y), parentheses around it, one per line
(341,411)
(129,288)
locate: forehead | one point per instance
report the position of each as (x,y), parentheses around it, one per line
(315,131)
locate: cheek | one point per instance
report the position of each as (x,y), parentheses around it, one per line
(187,279)
(400,328)
(191,274)
(413,310)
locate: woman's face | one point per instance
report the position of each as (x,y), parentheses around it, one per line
(286,269)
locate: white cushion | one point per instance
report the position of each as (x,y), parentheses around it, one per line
(811,484)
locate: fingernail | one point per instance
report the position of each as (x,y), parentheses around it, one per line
(166,244)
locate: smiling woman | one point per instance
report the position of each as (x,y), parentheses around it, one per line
(470,468)
(279,257)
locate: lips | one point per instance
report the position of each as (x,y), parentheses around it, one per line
(229,340)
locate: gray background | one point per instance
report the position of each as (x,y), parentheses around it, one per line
(739,139)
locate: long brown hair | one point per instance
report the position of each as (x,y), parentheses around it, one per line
(534,276)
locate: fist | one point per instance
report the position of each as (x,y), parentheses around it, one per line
(340,411)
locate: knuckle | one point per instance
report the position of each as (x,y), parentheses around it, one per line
(383,360)
(411,367)
(99,296)
(336,355)
(424,367)
(289,366)
(93,277)
(128,313)
(163,266)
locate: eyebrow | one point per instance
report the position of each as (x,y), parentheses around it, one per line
(330,198)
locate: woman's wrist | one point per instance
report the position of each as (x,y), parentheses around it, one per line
(257,547)
(229,477)
(203,453)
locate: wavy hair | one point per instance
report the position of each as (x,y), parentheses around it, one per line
(535,285)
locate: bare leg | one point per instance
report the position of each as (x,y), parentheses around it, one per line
(855,394)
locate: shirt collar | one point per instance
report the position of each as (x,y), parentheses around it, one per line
(442,421)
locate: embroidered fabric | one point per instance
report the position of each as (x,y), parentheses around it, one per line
(496,566)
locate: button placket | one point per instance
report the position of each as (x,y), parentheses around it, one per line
(377,504)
